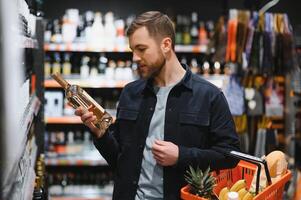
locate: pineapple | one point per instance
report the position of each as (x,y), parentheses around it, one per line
(200,184)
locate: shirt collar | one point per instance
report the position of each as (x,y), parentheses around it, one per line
(185,81)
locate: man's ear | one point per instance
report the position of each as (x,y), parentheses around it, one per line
(166,44)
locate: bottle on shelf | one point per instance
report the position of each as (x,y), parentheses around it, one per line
(121,41)
(69,26)
(56,66)
(89,17)
(47,66)
(206,68)
(94,68)
(102,63)
(194,30)
(186,32)
(38,191)
(97,35)
(109,31)
(48,31)
(194,66)
(119,71)
(67,65)
(217,68)
(57,32)
(210,29)
(179,30)
(79,97)
(85,69)
(110,71)
(80,29)
(203,38)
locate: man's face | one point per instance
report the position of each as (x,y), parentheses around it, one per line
(146,53)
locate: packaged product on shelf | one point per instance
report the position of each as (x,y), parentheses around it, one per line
(53,103)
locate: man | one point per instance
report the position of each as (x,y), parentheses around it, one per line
(166,121)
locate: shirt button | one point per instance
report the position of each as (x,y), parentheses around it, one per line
(140,146)
(134,182)
(151,108)
(169,109)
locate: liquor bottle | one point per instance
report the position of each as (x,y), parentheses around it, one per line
(48,31)
(194,32)
(206,68)
(203,38)
(179,30)
(102,64)
(56,66)
(66,65)
(194,66)
(217,68)
(109,31)
(85,69)
(96,39)
(79,97)
(94,68)
(47,67)
(38,192)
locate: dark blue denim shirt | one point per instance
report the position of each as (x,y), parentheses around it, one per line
(197,119)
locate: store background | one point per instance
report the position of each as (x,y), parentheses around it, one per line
(91,177)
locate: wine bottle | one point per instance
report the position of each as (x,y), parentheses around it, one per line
(78,97)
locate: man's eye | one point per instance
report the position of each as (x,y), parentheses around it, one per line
(141,49)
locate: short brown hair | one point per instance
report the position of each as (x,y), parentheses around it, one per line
(158,25)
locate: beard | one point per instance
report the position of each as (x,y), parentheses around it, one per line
(151,70)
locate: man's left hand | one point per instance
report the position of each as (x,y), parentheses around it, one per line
(165,153)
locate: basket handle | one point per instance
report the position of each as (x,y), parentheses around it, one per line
(254,160)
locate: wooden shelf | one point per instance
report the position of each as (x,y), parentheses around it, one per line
(63,120)
(88,83)
(71,161)
(277,126)
(83,47)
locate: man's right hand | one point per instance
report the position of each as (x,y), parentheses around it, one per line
(88,118)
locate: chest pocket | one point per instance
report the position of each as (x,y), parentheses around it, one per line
(194,128)
(127,119)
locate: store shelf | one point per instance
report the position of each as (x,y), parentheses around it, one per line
(63,120)
(88,83)
(68,119)
(29,43)
(80,198)
(81,192)
(31,110)
(82,47)
(277,126)
(75,161)
(191,48)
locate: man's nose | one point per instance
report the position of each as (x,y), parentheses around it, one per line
(136,58)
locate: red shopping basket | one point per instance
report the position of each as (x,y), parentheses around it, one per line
(245,169)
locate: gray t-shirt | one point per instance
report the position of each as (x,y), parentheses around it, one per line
(150,185)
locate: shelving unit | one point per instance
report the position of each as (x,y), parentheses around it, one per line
(75,161)
(89,83)
(63,120)
(21,65)
(82,47)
